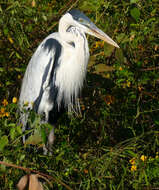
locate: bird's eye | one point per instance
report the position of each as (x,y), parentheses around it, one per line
(81,20)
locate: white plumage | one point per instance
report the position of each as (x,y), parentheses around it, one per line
(56,72)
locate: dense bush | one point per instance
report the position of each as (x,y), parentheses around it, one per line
(114,144)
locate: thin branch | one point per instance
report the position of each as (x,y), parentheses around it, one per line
(37,172)
(150,69)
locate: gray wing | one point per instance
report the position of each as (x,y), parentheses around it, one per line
(39,75)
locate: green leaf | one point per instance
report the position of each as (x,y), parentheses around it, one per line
(133,96)
(135,13)
(157,122)
(122,38)
(139,63)
(18,69)
(1,69)
(92,62)
(18,56)
(133,1)
(43,135)
(5,30)
(3,142)
(8,83)
(12,133)
(19,129)
(93,5)
(103,68)
(108,50)
(1,9)
(119,55)
(34,139)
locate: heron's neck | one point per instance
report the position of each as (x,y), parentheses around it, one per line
(70,33)
(66,36)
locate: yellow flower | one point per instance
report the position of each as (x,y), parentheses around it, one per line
(2,110)
(132,37)
(10,40)
(140,88)
(85,171)
(109,99)
(19,76)
(7,114)
(5,102)
(14,100)
(107,75)
(128,84)
(99,44)
(133,168)
(156,155)
(33,3)
(120,68)
(132,161)
(143,158)
(82,107)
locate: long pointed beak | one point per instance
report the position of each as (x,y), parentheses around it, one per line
(101,35)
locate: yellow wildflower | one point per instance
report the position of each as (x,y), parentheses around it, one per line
(133,168)
(33,3)
(140,88)
(2,110)
(107,75)
(5,102)
(14,100)
(120,68)
(143,158)
(19,76)
(99,44)
(10,40)
(128,84)
(132,161)
(132,37)
(82,107)
(7,114)
(156,155)
(85,171)
(109,99)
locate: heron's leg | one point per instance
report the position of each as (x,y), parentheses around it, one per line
(50,141)
(23,120)
(45,150)
(51,137)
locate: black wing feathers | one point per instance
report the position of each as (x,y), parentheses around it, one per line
(50,45)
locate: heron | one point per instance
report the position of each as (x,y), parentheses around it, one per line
(56,72)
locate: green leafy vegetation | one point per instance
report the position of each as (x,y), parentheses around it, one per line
(114,144)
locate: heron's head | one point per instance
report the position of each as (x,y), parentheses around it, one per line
(76,18)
